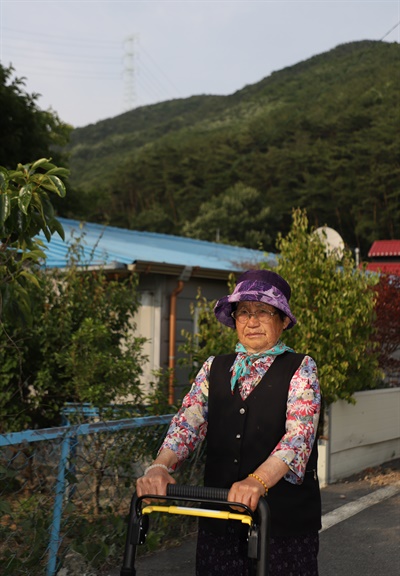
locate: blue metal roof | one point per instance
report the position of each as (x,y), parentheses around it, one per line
(111,246)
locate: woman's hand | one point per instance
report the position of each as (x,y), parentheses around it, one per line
(154,482)
(157,477)
(247,491)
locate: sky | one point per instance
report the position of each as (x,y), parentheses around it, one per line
(92,59)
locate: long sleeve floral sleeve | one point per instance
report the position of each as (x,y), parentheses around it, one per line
(302,416)
(189,426)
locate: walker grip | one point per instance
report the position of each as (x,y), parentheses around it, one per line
(200,492)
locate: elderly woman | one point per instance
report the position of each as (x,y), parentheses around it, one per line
(259,410)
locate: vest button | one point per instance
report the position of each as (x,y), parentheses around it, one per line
(238,436)
(235,461)
(242,411)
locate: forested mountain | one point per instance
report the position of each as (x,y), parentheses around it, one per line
(322,135)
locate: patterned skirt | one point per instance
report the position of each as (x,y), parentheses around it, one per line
(227,555)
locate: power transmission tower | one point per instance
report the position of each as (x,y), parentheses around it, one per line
(130,58)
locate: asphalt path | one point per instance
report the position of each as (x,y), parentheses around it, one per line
(360,534)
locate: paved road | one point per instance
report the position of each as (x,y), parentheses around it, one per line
(368,542)
(360,535)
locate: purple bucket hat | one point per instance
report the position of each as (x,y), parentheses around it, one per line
(256,286)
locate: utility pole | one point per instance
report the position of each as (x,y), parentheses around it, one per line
(129,72)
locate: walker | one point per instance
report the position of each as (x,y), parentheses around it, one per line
(258,521)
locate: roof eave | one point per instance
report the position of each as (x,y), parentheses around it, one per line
(145,267)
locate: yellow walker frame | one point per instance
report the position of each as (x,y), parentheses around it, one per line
(258,521)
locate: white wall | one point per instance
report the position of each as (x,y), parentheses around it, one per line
(361,435)
(148,321)
(148,325)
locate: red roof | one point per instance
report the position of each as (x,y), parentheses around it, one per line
(384,267)
(384,248)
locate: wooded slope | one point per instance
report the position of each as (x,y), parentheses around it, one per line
(322,135)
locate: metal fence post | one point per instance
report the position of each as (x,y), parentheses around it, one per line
(55,541)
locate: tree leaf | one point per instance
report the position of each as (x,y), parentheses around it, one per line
(63,172)
(47,233)
(5,208)
(42,163)
(31,277)
(24,198)
(33,254)
(56,226)
(53,184)
(3,179)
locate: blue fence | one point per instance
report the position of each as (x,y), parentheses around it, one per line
(56,483)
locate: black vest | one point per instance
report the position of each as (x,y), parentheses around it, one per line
(242,434)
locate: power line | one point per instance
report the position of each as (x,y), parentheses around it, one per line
(86,59)
(80,75)
(160,70)
(57,39)
(390,31)
(20,51)
(149,83)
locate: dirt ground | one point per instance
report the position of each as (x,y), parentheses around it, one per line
(384,475)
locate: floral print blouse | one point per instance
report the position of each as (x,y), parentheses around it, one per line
(189,426)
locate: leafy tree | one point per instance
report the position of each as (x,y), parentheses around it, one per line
(27,131)
(82,347)
(25,211)
(238,213)
(334,305)
(387,324)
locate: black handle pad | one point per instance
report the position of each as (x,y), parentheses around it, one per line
(201,492)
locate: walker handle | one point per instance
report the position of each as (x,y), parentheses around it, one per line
(200,492)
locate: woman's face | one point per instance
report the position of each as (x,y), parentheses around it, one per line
(259,335)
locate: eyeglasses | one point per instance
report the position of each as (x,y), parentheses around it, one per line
(243,316)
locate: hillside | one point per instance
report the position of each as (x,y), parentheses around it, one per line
(322,134)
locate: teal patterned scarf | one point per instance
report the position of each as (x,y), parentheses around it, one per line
(244,360)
